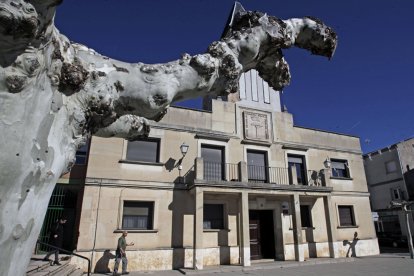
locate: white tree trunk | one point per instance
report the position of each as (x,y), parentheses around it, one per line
(54,94)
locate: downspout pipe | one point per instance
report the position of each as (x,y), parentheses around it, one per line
(96,221)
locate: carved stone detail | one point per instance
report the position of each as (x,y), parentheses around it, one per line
(256,126)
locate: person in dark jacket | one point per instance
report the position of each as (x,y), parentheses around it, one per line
(56,239)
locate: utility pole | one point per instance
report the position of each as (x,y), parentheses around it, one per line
(403,205)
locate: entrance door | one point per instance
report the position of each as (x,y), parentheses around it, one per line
(262,241)
(63,202)
(255,249)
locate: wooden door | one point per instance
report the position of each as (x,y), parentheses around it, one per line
(255,247)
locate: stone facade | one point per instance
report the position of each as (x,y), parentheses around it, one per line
(262,205)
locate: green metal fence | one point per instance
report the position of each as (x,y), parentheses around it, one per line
(54,211)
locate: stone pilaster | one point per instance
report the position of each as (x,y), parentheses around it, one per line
(243,174)
(330,226)
(199,168)
(297,228)
(244,229)
(198,256)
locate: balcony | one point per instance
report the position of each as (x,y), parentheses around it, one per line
(241,174)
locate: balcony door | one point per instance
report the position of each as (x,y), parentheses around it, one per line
(213,157)
(257,166)
(297,163)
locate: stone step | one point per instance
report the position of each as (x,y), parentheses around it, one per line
(51,270)
(77,272)
(38,267)
(65,271)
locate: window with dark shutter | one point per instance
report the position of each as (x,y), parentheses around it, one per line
(340,168)
(146,150)
(305,216)
(82,155)
(213,216)
(346,216)
(138,215)
(298,163)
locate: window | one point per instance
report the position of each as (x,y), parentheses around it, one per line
(257,166)
(297,163)
(340,168)
(213,216)
(396,194)
(346,216)
(390,166)
(305,216)
(146,150)
(81,155)
(138,215)
(213,157)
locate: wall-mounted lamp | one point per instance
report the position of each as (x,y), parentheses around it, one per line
(327,163)
(184,148)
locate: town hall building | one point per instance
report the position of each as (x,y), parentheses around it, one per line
(228,185)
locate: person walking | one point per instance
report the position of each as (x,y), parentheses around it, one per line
(120,254)
(56,239)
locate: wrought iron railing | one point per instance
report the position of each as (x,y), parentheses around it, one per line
(258,174)
(67,252)
(284,176)
(221,171)
(263,174)
(315,178)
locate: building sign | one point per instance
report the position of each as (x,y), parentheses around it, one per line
(375,216)
(256,126)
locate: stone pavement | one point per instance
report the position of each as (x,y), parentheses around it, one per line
(388,264)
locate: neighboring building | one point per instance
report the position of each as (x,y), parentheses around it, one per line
(251,186)
(390,176)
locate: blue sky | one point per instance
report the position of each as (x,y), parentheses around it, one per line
(367,89)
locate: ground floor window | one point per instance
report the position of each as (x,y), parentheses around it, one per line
(138,215)
(346,215)
(305,216)
(213,216)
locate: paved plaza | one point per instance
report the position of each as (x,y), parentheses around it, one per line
(382,265)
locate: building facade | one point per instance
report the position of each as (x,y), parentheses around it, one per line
(390,177)
(251,186)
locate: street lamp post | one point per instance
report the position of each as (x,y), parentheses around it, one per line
(403,205)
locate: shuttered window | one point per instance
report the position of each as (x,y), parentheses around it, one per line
(297,162)
(144,150)
(346,216)
(82,155)
(213,216)
(138,215)
(391,166)
(305,216)
(340,168)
